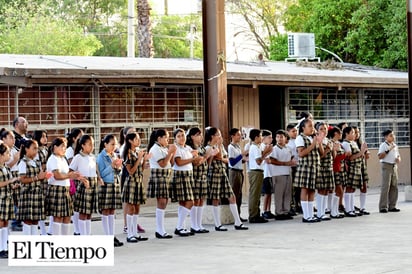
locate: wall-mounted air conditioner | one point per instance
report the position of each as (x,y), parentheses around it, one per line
(301,45)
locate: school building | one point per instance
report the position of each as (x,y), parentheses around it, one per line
(103,94)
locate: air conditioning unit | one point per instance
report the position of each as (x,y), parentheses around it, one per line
(301,45)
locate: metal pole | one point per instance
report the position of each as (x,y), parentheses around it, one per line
(131,29)
(409,31)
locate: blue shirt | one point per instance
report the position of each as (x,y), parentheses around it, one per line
(104,163)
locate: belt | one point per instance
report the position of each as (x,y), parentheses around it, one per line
(236,169)
(388,163)
(258,170)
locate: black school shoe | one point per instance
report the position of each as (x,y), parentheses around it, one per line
(117,243)
(241,227)
(4,254)
(257,220)
(164,236)
(182,232)
(394,209)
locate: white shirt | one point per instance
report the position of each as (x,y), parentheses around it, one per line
(22,167)
(282,154)
(292,146)
(346,146)
(254,153)
(234,151)
(85,164)
(158,153)
(389,158)
(69,153)
(58,163)
(13,155)
(183,153)
(246,148)
(267,168)
(300,142)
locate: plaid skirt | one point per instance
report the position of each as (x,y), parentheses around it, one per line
(306,176)
(364,171)
(181,186)
(6,203)
(200,188)
(159,180)
(59,203)
(31,202)
(325,179)
(354,176)
(340,178)
(218,184)
(110,196)
(85,199)
(16,192)
(133,191)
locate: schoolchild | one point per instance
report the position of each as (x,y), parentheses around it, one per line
(194,140)
(324,181)
(219,186)
(181,187)
(256,158)
(365,176)
(85,200)
(161,156)
(59,203)
(41,137)
(309,147)
(236,159)
(109,196)
(339,172)
(267,187)
(31,200)
(7,182)
(133,194)
(354,157)
(281,160)
(389,157)
(295,200)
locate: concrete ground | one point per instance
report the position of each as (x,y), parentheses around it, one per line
(378,243)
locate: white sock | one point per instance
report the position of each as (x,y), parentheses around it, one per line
(182,213)
(88,227)
(111,224)
(160,219)
(352,201)
(304,205)
(57,228)
(334,207)
(65,229)
(199,217)
(75,219)
(193,218)
(346,197)
(82,227)
(42,227)
(235,213)
(129,224)
(319,205)
(34,230)
(216,216)
(50,230)
(330,199)
(362,199)
(4,237)
(310,209)
(26,229)
(105,223)
(135,219)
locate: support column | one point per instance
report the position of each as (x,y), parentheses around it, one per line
(408,189)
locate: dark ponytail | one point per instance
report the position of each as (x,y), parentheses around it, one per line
(154,136)
(105,140)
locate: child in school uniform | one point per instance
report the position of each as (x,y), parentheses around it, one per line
(85,201)
(161,155)
(219,186)
(365,176)
(354,157)
(295,201)
(267,187)
(309,149)
(59,203)
(280,160)
(7,182)
(194,140)
(31,200)
(133,194)
(182,181)
(109,166)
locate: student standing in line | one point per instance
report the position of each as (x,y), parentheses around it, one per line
(309,149)
(295,201)
(59,203)
(194,140)
(267,186)
(219,186)
(7,182)
(85,201)
(161,156)
(389,157)
(133,194)
(365,175)
(109,166)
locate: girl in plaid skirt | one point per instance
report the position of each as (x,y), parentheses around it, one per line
(109,167)
(161,155)
(7,182)
(133,194)
(365,175)
(354,157)
(31,200)
(59,203)
(219,186)
(182,182)
(194,140)
(85,200)
(41,138)
(309,149)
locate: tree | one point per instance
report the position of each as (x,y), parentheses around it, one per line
(144,29)
(278,47)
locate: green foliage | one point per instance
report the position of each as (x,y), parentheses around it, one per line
(278,47)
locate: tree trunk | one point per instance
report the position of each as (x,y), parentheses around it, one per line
(144,29)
